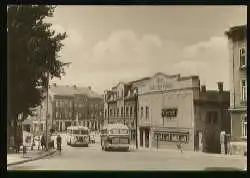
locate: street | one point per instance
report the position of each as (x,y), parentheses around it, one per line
(93,158)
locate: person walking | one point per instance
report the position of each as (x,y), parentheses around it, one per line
(43,145)
(179,147)
(59,142)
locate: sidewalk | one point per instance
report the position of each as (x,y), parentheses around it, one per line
(188,153)
(18,158)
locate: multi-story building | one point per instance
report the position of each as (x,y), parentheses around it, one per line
(237,37)
(70,105)
(171,108)
(120,106)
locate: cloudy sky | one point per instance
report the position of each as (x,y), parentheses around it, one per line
(109,44)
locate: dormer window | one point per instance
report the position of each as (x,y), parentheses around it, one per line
(243,60)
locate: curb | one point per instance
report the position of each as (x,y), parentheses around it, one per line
(32,159)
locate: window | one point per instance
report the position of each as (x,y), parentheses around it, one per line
(243,90)
(131,111)
(169,113)
(118,112)
(71,104)
(57,103)
(114,112)
(70,114)
(244,126)
(126,111)
(105,112)
(121,111)
(243,57)
(141,112)
(110,112)
(56,114)
(147,112)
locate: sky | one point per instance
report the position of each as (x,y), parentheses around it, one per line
(110,44)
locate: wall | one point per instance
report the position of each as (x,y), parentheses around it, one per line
(236,74)
(174,92)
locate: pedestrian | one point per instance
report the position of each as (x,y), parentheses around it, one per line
(179,147)
(43,145)
(59,142)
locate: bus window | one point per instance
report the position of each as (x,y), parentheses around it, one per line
(76,132)
(84,132)
(114,131)
(124,141)
(123,131)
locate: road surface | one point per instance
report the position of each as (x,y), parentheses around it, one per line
(93,158)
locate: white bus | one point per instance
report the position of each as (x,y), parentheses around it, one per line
(115,137)
(77,136)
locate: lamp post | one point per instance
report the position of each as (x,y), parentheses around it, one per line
(47,109)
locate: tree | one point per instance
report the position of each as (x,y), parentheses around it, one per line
(33,51)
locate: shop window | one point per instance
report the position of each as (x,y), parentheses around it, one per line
(174,138)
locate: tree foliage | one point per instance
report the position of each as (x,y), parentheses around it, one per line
(33,52)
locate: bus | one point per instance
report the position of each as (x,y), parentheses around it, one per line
(115,137)
(78,136)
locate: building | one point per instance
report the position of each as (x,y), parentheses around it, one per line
(237,37)
(211,118)
(120,106)
(171,108)
(70,105)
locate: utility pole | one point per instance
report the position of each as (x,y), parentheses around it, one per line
(47,111)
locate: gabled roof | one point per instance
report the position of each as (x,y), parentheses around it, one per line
(72,90)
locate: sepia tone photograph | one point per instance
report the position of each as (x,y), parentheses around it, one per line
(130,88)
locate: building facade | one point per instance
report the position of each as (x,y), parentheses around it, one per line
(175,109)
(70,105)
(211,118)
(120,106)
(237,37)
(166,111)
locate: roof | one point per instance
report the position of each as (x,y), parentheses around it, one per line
(72,90)
(237,32)
(78,128)
(115,126)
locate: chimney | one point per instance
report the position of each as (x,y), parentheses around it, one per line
(220,86)
(203,88)
(89,87)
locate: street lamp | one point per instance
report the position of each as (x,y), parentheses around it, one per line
(47,109)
